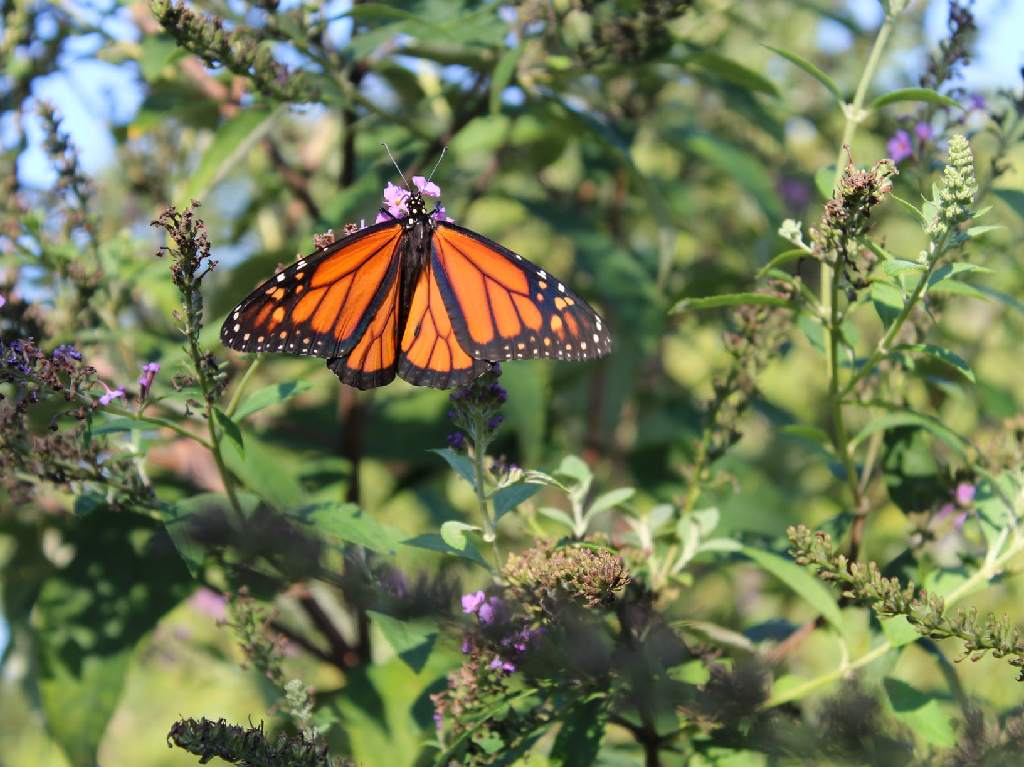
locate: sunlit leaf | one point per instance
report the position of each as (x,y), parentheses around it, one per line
(801,582)
(269,396)
(925,95)
(810,68)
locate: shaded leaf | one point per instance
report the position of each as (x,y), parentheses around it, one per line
(946,356)
(923,713)
(801,582)
(733,72)
(728,299)
(810,68)
(579,739)
(507,498)
(459,463)
(349,523)
(412,640)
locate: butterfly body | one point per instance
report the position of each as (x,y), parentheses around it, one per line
(415,296)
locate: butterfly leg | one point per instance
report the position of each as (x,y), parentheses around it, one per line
(387,213)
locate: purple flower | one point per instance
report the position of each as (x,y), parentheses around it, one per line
(467,646)
(149,371)
(900,146)
(472,602)
(924,132)
(977,101)
(488,611)
(394,195)
(67,352)
(964,494)
(502,665)
(2,301)
(457,440)
(441,214)
(794,192)
(109,394)
(210,603)
(425,187)
(381,218)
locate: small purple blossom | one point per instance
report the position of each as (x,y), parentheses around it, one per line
(395,197)
(441,214)
(2,300)
(976,102)
(495,421)
(472,602)
(209,602)
(109,395)
(964,493)
(467,646)
(457,440)
(149,371)
(924,132)
(67,352)
(502,665)
(426,187)
(488,612)
(794,192)
(900,146)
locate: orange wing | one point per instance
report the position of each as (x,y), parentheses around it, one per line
(327,304)
(502,307)
(431,352)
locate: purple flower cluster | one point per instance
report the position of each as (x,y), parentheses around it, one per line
(475,408)
(505,639)
(109,395)
(396,199)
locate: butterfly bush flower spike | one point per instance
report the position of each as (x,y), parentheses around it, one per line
(149,371)
(109,395)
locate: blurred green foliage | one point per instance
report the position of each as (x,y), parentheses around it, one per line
(781,357)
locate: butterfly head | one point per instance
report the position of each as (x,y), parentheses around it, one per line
(416,205)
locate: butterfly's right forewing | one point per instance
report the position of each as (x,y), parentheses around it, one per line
(324,303)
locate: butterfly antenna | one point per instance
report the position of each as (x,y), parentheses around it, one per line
(431,174)
(386,149)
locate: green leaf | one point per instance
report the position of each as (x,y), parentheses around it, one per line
(228,427)
(576,470)
(729,299)
(949,271)
(607,501)
(907,418)
(507,498)
(782,258)
(888,302)
(262,470)
(459,463)
(411,640)
(557,515)
(233,141)
(579,740)
(990,503)
(926,95)
(502,76)
(812,69)
(918,213)
(977,231)
(898,631)
(801,582)
(943,355)
(1012,197)
(453,533)
(733,72)
(824,178)
(434,542)
(268,396)
(349,523)
(921,712)
(898,266)
(157,52)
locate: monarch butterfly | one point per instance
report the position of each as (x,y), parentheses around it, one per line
(417,295)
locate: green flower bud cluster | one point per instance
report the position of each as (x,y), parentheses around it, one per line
(237,49)
(954,198)
(888,597)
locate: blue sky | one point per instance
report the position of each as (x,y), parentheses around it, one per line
(92,95)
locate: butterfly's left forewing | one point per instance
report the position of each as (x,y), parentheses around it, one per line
(503,307)
(324,304)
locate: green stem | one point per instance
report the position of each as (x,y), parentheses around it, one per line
(191,295)
(236,397)
(854,113)
(885,344)
(480,443)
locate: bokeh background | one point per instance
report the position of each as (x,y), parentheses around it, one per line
(640,181)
